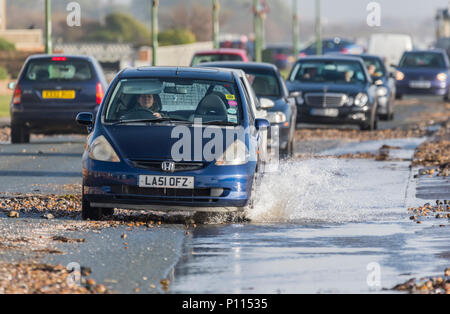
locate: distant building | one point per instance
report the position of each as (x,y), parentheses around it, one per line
(112,57)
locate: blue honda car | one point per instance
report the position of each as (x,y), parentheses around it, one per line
(173,139)
(423,73)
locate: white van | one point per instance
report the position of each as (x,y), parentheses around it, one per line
(390,47)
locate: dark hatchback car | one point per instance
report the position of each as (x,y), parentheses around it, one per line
(334,90)
(385,83)
(423,73)
(50,91)
(267,82)
(173,139)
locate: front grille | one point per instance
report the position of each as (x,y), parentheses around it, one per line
(325,100)
(133,190)
(156,165)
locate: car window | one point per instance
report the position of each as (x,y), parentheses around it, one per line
(182,99)
(375,67)
(423,60)
(64,70)
(215,57)
(329,71)
(264,84)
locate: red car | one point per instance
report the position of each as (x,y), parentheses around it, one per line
(223,54)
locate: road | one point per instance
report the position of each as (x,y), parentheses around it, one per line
(319,225)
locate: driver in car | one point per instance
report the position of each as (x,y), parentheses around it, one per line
(151,103)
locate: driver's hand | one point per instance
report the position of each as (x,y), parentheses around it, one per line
(157,115)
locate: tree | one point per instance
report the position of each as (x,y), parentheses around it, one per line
(121,27)
(176,36)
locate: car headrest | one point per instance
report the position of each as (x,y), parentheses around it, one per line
(211,105)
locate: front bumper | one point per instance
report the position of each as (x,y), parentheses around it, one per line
(216,188)
(346,115)
(437,89)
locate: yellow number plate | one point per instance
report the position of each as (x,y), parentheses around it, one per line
(58,94)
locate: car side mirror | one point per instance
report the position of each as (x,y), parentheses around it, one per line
(11,85)
(394,65)
(266,103)
(262,124)
(298,96)
(86,119)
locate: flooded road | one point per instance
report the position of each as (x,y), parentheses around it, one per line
(320,224)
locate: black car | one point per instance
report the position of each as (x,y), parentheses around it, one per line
(334,90)
(385,82)
(50,91)
(267,82)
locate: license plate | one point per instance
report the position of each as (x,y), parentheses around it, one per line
(420,84)
(166,182)
(327,112)
(58,94)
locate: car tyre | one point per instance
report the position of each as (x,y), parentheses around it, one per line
(19,134)
(372,125)
(398,96)
(93,213)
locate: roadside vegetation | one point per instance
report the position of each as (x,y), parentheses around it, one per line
(4,106)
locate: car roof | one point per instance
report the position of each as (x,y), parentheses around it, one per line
(222,51)
(47,56)
(218,74)
(364,55)
(330,58)
(436,50)
(239,65)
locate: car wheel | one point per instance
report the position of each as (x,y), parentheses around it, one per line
(19,134)
(93,213)
(372,125)
(398,96)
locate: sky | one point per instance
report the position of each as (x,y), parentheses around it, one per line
(354,10)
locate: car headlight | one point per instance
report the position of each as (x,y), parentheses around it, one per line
(382,91)
(101,150)
(236,154)
(361,100)
(399,76)
(276,117)
(442,77)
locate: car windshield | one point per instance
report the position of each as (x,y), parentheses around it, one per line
(139,100)
(215,57)
(329,71)
(264,84)
(375,67)
(59,69)
(422,60)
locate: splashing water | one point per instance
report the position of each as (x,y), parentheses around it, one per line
(331,190)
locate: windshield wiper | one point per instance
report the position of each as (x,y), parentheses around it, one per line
(157,120)
(220,122)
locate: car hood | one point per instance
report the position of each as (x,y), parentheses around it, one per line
(350,89)
(153,142)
